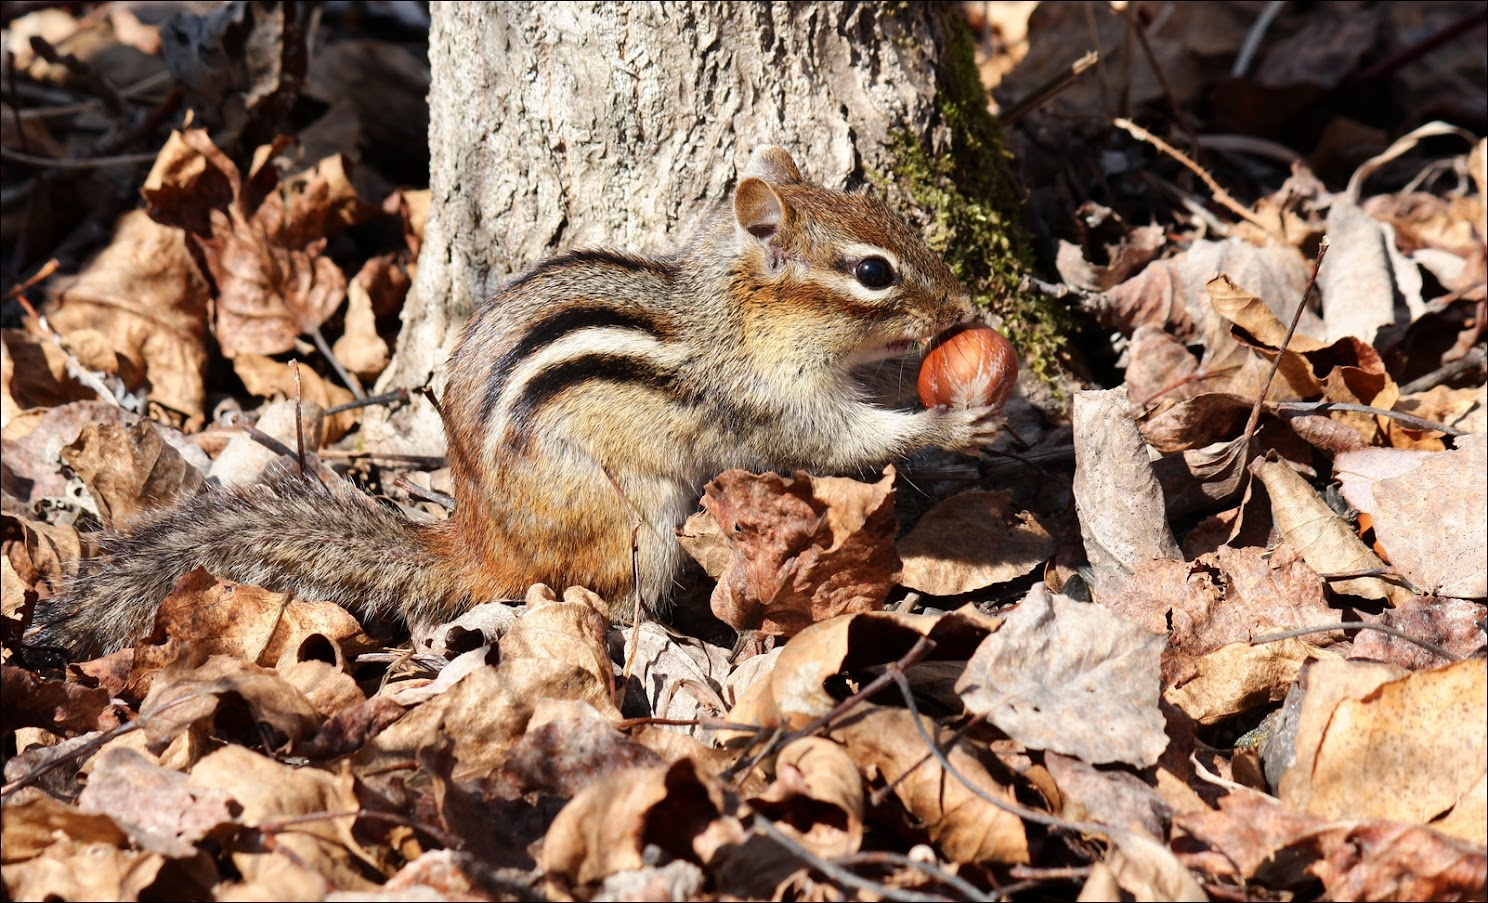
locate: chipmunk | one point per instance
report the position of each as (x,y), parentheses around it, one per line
(593,376)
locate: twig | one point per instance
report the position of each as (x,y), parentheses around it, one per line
(1221,196)
(399,396)
(1179,115)
(1411,419)
(884,857)
(347,377)
(635,579)
(82,750)
(278,825)
(1254,36)
(15,156)
(1396,632)
(294,368)
(1050,88)
(1473,360)
(1255,412)
(423,492)
(916,652)
(839,874)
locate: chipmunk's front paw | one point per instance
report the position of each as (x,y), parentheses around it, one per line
(968,430)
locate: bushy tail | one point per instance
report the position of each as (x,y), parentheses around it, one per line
(290,535)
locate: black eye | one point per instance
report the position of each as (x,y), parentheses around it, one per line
(874,272)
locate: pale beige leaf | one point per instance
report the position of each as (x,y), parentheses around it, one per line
(1071,677)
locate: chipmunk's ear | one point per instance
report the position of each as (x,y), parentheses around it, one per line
(758,209)
(773,164)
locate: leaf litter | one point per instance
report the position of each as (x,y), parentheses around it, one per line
(1236,652)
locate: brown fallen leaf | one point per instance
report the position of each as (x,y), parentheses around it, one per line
(562,756)
(966,828)
(816,797)
(143,296)
(1428,512)
(182,696)
(54,850)
(1256,837)
(971,541)
(1231,595)
(62,707)
(1122,519)
(161,813)
(268,790)
(1144,868)
(203,616)
(1071,677)
(1405,748)
(793,551)
(131,471)
(1236,678)
(606,828)
(1454,624)
(1324,540)
(275,380)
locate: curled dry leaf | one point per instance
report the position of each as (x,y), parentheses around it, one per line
(263,246)
(205,616)
(182,696)
(1071,677)
(1145,869)
(681,677)
(795,692)
(1356,860)
(131,470)
(1428,512)
(963,825)
(606,828)
(971,541)
(1122,518)
(816,797)
(62,707)
(1454,624)
(268,790)
(1227,596)
(52,849)
(1324,540)
(792,551)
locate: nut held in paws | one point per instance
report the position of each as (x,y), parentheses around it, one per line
(971,367)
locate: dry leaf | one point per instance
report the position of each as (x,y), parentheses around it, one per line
(1428,512)
(1236,678)
(131,470)
(816,797)
(799,549)
(965,827)
(268,790)
(971,541)
(143,295)
(1122,519)
(1324,540)
(1145,869)
(1454,624)
(1071,677)
(161,813)
(54,851)
(1378,745)
(606,828)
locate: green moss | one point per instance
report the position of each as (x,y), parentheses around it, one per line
(967,201)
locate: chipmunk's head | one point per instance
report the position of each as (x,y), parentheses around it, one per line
(840,267)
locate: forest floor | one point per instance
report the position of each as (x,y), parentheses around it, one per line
(1209,623)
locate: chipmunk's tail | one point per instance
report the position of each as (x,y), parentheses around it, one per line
(291,534)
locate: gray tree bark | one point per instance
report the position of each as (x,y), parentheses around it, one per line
(583,124)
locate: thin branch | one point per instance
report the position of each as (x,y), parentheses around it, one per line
(15,156)
(1221,196)
(347,377)
(839,874)
(1255,412)
(1039,95)
(1420,423)
(1396,632)
(1254,37)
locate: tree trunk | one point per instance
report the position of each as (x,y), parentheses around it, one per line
(566,125)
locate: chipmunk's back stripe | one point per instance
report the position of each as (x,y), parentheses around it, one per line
(613,368)
(550,329)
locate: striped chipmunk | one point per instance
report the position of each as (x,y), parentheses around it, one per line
(593,371)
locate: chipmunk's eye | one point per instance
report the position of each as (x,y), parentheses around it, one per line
(874,272)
